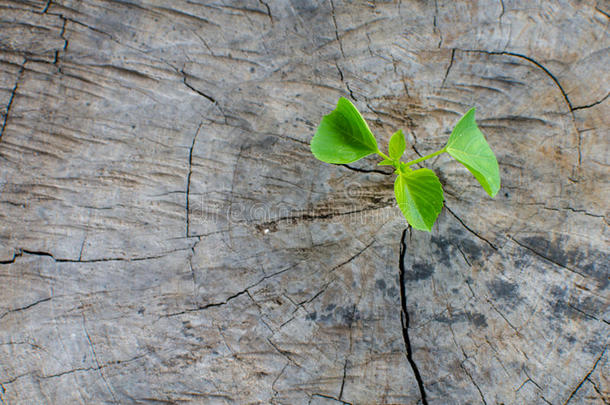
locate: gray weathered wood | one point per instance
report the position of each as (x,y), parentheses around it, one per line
(166,235)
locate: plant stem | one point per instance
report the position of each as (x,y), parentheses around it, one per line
(383,155)
(421,159)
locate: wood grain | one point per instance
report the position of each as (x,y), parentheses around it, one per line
(166,236)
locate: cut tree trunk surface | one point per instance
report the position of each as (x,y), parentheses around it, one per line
(166,235)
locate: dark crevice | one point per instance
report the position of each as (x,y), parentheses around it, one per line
(97,363)
(332,398)
(10,311)
(188,180)
(585,377)
(474,383)
(448,68)
(404,319)
(268,11)
(491,304)
(284,353)
(93,368)
(351,259)
(584,313)
(357,169)
(11,98)
(62,36)
(237,294)
(211,305)
(312,217)
(582,107)
(548,259)
(110,259)
(415,149)
(435,24)
(568,208)
(470,230)
(533,61)
(325,286)
(342,77)
(332,5)
(602,396)
(202,94)
(351,328)
(603,12)
(13,259)
(46,7)
(351,93)
(343,379)
(340,72)
(88,27)
(21,252)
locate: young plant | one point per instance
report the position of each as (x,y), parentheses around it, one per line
(343,136)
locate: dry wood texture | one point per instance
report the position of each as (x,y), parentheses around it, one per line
(166,235)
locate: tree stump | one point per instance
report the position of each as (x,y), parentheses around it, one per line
(168,237)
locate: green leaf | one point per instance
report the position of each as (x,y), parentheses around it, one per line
(420,197)
(469,147)
(386,162)
(343,136)
(397,145)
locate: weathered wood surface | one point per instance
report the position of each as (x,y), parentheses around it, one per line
(167,237)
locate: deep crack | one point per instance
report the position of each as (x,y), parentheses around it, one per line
(585,377)
(20,252)
(357,169)
(11,98)
(448,68)
(533,61)
(404,319)
(188,180)
(470,230)
(332,5)
(202,94)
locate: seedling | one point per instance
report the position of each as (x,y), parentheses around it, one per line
(343,136)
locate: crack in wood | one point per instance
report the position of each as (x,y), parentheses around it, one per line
(312,217)
(226,301)
(25,307)
(585,377)
(201,93)
(12,97)
(62,36)
(188,180)
(342,76)
(21,252)
(346,363)
(548,259)
(331,398)
(448,68)
(593,104)
(268,10)
(470,229)
(97,363)
(473,382)
(332,5)
(357,169)
(531,60)
(435,24)
(404,318)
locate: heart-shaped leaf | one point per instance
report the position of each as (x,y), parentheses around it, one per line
(420,197)
(469,147)
(343,136)
(397,145)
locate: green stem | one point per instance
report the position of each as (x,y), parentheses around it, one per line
(421,159)
(383,155)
